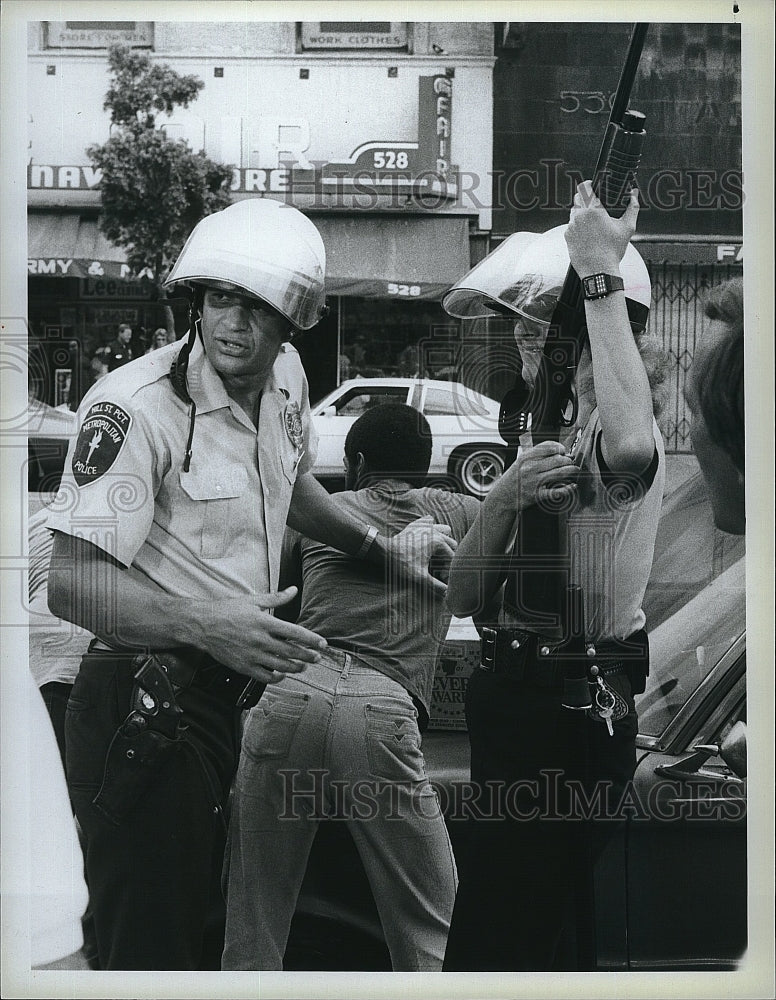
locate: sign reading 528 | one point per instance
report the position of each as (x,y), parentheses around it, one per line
(390,159)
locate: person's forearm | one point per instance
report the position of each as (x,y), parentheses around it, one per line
(623,394)
(87,588)
(477,568)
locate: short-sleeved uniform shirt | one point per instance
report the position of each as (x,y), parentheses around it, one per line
(611,530)
(216,530)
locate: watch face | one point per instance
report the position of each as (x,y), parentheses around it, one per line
(598,285)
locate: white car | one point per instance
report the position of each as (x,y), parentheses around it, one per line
(468,453)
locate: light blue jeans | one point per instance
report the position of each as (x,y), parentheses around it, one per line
(338,736)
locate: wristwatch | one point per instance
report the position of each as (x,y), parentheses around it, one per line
(597,286)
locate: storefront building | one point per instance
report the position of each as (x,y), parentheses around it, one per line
(415,147)
(380,131)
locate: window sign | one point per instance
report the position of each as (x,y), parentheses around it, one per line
(354,35)
(98,34)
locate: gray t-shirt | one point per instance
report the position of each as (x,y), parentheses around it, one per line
(389,623)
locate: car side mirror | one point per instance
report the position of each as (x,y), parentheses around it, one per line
(733,749)
(330,411)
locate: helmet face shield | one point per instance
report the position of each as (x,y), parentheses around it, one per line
(485,290)
(264,247)
(524,275)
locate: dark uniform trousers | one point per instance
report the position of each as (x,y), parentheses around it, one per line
(525,866)
(155,877)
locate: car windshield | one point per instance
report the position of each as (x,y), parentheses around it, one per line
(694,603)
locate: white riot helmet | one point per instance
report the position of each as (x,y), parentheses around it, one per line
(265,247)
(525,274)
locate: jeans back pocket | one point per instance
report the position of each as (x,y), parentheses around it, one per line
(393,743)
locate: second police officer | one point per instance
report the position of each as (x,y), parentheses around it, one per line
(527,867)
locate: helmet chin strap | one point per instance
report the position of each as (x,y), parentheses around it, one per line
(180,367)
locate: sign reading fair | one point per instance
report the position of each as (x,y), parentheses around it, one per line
(421,168)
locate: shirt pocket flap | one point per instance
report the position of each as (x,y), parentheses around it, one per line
(215,484)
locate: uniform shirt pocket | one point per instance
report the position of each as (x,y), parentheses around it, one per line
(219,496)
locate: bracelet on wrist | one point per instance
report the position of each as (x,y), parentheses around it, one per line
(366,545)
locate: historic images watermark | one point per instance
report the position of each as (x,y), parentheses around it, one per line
(313,794)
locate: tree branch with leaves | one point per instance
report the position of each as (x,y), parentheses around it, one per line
(154,189)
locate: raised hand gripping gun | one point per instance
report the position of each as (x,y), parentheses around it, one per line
(537,581)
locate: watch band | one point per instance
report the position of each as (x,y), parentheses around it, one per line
(366,545)
(597,286)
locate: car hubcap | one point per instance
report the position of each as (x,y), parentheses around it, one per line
(480,472)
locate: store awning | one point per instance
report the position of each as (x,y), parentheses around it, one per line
(64,245)
(385,257)
(370,256)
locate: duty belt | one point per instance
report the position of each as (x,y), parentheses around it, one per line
(527,656)
(191,668)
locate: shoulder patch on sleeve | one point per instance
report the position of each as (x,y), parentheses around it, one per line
(100,439)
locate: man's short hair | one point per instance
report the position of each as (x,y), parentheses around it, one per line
(720,386)
(125,326)
(395,440)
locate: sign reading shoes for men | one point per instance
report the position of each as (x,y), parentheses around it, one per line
(100,438)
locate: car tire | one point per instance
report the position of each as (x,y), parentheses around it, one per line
(477,469)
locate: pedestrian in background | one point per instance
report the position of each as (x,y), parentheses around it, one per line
(118,352)
(159,338)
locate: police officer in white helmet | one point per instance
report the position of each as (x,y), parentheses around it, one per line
(169,524)
(526,864)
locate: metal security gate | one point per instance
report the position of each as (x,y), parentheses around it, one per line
(678,320)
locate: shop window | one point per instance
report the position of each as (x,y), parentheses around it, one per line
(98,34)
(315,35)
